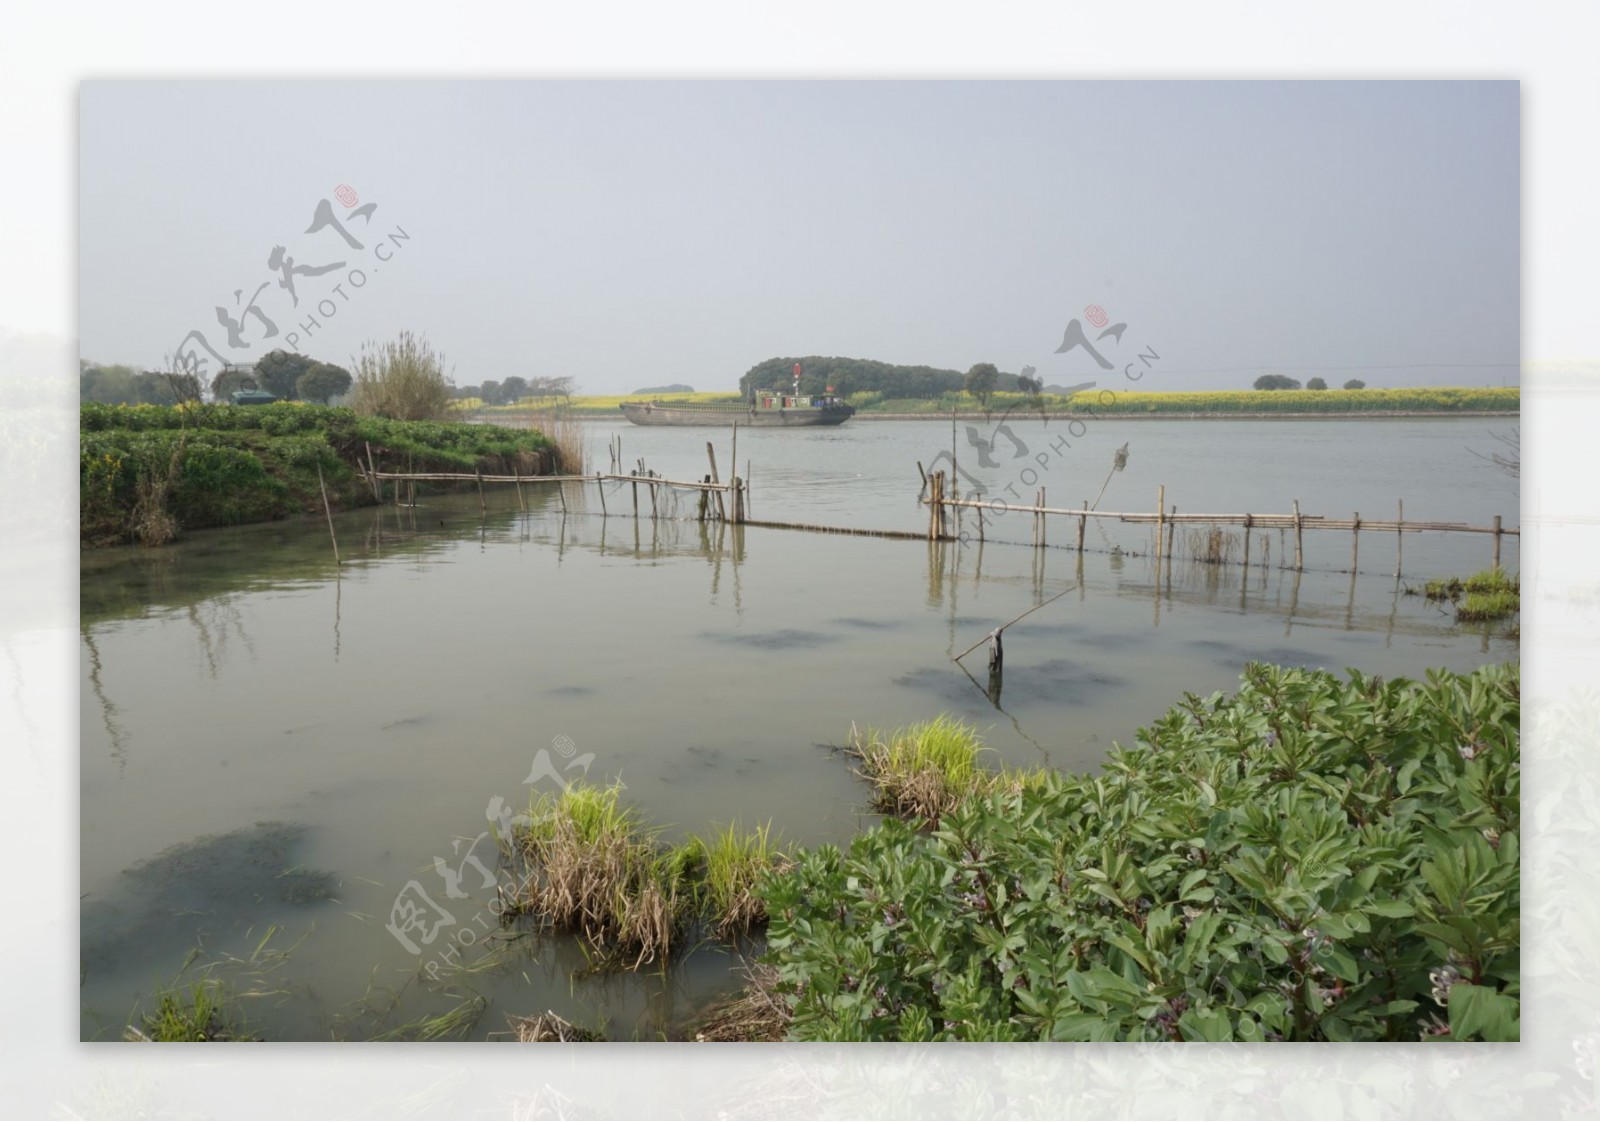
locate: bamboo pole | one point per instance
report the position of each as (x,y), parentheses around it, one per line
(1355,541)
(1161,508)
(521,502)
(1083,522)
(1298,526)
(1399,541)
(377,488)
(483,506)
(561,493)
(600,485)
(1259,521)
(1497,541)
(1247,528)
(328,510)
(711,454)
(1009,622)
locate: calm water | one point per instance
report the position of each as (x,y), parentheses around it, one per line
(273,749)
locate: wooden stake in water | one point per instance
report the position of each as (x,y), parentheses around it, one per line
(711,454)
(1298,562)
(1083,521)
(328,510)
(1399,535)
(1161,514)
(1355,540)
(1497,541)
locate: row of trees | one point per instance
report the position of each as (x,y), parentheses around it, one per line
(863,375)
(287,376)
(1284,382)
(516,388)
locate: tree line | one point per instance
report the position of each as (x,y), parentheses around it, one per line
(515,388)
(864,375)
(287,376)
(1284,382)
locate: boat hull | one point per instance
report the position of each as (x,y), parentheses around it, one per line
(685,415)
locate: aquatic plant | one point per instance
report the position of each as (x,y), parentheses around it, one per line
(1310,858)
(594,867)
(735,862)
(1488,595)
(758,1012)
(200,1013)
(453,1023)
(548,1027)
(923,770)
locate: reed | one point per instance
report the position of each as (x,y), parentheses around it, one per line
(1211,545)
(923,770)
(757,1013)
(547,1027)
(1480,607)
(595,868)
(565,431)
(200,1014)
(453,1023)
(734,863)
(1488,595)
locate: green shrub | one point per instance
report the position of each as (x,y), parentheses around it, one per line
(1310,859)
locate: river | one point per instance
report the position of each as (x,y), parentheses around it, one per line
(274,749)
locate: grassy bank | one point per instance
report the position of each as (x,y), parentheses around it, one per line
(1445,400)
(1309,859)
(1221,402)
(148,472)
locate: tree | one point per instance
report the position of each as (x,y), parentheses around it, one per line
(1355,384)
(403,379)
(323,382)
(491,392)
(980,381)
(513,389)
(1316,384)
(230,380)
(1276,382)
(279,371)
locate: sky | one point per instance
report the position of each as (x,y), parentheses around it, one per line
(629,234)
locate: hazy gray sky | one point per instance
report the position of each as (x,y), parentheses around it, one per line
(631,233)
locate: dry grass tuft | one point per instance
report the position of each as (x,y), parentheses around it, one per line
(923,770)
(758,1013)
(547,1028)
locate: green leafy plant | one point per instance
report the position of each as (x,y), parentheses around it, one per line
(1309,859)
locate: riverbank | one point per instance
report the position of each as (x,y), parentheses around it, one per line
(147,473)
(1124,415)
(1440,401)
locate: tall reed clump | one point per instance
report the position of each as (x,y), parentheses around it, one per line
(734,863)
(402,379)
(595,868)
(923,770)
(201,1014)
(564,430)
(590,865)
(1484,596)
(1211,546)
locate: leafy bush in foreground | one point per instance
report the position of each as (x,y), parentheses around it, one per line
(1310,859)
